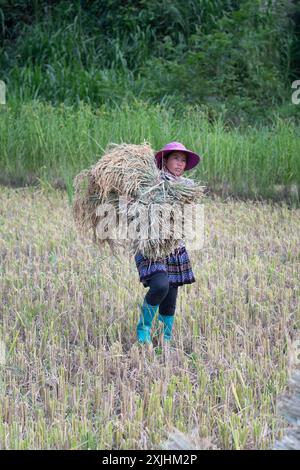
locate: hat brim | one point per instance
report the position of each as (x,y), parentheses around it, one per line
(192,158)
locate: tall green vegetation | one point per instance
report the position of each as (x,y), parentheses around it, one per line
(54,143)
(234,56)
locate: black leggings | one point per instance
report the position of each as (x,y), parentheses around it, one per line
(162,293)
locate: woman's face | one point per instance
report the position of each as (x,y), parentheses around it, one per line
(176,163)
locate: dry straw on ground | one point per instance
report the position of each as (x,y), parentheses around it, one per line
(72,376)
(129,171)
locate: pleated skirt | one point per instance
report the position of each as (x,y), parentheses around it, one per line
(177,265)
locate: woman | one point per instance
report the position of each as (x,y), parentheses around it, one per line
(165,276)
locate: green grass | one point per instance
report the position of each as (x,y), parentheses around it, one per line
(49,144)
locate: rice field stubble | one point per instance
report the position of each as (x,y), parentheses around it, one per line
(72,375)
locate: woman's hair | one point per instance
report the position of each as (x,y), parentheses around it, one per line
(164,161)
(169,154)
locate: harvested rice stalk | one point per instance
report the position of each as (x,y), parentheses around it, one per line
(129,171)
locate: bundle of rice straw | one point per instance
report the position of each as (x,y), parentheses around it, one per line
(129,171)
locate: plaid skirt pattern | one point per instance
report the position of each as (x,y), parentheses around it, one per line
(177,265)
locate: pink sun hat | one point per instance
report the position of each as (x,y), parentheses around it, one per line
(192,158)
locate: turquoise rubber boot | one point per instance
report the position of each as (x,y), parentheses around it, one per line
(144,325)
(168,321)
